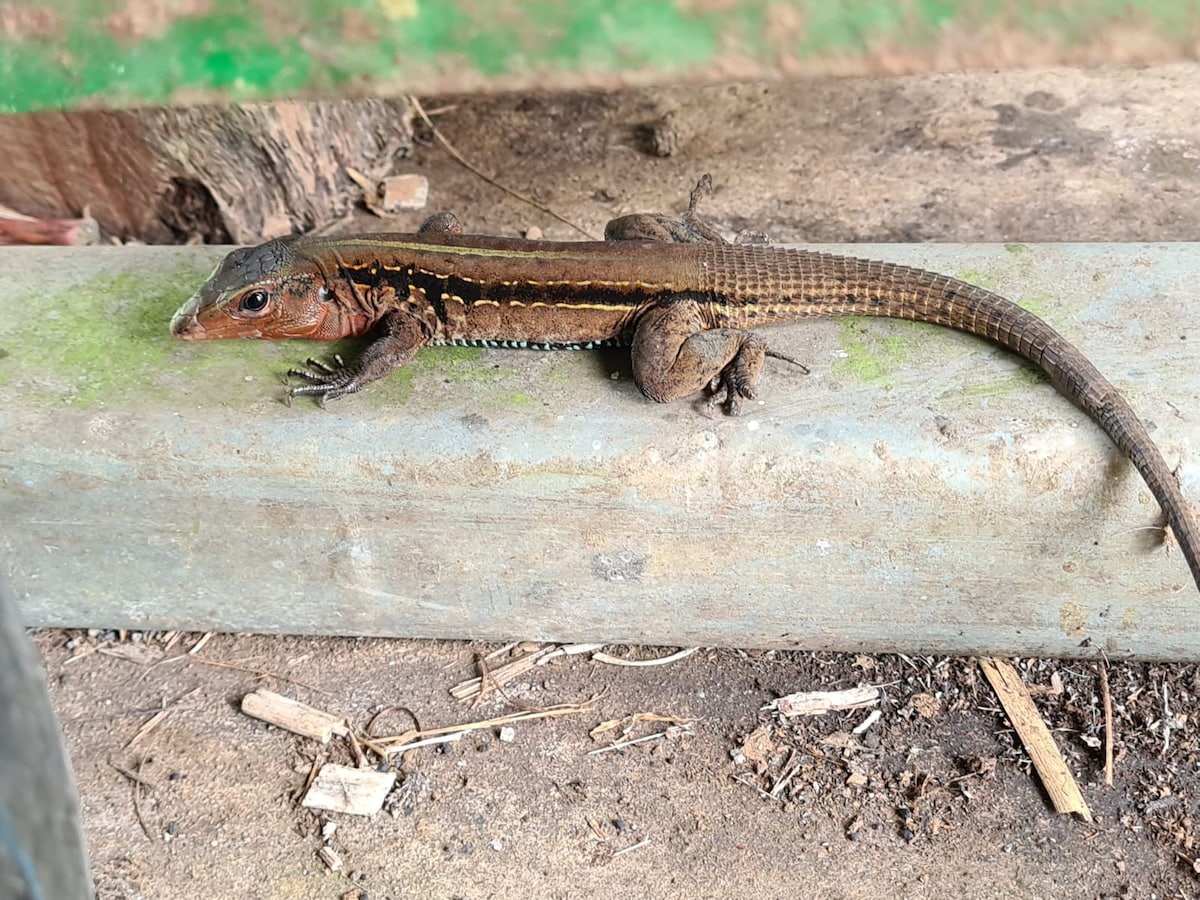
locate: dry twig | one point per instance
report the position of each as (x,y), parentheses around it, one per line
(646,738)
(817,703)
(642,843)
(261,673)
(199,645)
(155,720)
(137,782)
(388,746)
(293,716)
(458,157)
(501,675)
(660,661)
(1106,698)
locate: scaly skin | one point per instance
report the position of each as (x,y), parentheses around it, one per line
(681,301)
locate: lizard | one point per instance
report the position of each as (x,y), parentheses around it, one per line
(682,298)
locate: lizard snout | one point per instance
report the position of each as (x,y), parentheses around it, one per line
(184,324)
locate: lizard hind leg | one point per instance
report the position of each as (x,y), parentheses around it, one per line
(676,356)
(690,228)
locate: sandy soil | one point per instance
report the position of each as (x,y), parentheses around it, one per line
(934,799)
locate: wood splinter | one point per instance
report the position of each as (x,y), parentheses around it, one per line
(344,789)
(1052,769)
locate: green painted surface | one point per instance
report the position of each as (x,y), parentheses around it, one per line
(124,52)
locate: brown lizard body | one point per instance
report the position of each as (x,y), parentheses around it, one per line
(682,301)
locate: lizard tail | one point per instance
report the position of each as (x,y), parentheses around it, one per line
(964,307)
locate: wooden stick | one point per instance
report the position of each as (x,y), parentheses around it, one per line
(331,859)
(1018,705)
(293,716)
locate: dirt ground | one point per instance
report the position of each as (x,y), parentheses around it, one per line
(934,798)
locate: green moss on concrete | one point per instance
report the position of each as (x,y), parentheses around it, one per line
(871,357)
(1019,380)
(1038,304)
(100,337)
(978,278)
(468,364)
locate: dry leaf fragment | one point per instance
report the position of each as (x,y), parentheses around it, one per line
(926,705)
(758,746)
(815,703)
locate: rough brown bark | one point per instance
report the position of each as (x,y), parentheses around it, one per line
(241,173)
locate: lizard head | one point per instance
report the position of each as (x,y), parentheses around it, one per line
(267,292)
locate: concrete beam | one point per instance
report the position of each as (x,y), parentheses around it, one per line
(920,491)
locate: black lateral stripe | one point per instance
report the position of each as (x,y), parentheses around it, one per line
(467,291)
(433,288)
(524,293)
(396,279)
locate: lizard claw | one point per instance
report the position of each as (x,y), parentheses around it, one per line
(325,382)
(736,382)
(728,389)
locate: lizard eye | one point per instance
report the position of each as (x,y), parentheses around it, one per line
(255,301)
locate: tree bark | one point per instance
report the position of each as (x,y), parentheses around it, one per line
(236,173)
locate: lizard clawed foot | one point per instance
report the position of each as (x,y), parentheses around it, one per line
(325,382)
(737,381)
(728,390)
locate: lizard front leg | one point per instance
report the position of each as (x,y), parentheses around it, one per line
(675,356)
(401,336)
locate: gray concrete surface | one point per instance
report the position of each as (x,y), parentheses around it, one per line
(42,856)
(920,491)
